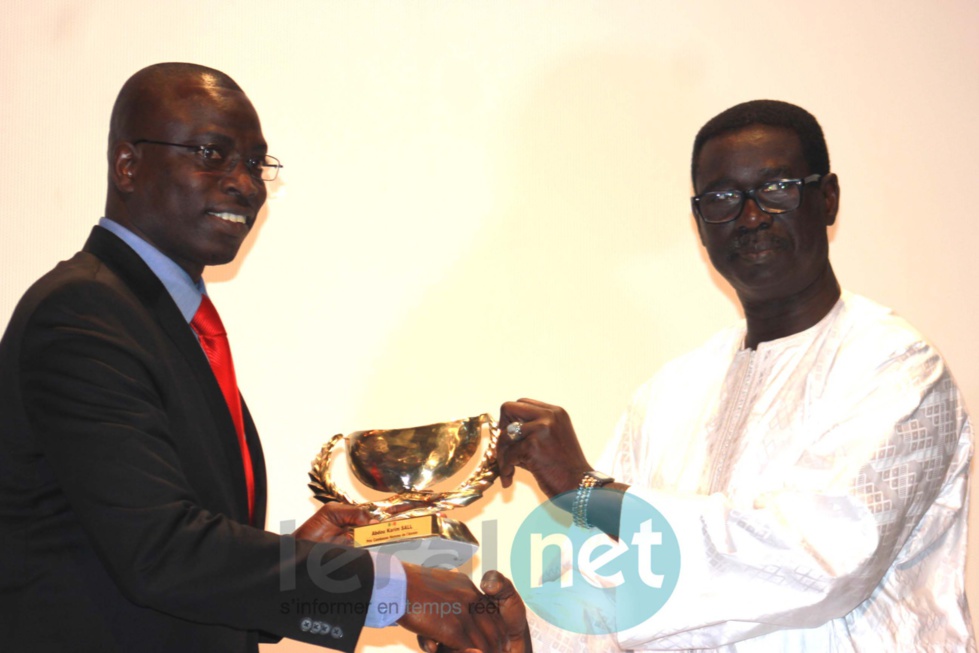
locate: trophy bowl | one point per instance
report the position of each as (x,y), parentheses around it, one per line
(408,462)
(412,459)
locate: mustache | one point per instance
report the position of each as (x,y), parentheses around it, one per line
(756,241)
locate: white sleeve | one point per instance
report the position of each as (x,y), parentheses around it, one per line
(875,490)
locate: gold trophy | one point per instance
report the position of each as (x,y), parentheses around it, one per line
(409,462)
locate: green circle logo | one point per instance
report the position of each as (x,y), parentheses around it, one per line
(582,580)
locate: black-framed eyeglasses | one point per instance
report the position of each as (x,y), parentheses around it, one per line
(773,197)
(220,158)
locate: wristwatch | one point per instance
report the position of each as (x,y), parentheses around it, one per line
(589,481)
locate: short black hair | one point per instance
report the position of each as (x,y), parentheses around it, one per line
(773,113)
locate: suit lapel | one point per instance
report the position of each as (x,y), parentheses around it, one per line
(122,260)
(258,466)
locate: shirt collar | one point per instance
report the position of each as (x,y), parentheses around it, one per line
(186,293)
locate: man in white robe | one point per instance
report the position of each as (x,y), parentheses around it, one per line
(813,461)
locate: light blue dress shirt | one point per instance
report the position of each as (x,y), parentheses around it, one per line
(390,585)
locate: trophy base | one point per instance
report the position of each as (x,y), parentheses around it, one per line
(429,540)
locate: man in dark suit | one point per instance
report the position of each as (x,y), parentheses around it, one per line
(132,483)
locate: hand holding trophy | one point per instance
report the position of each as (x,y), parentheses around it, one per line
(408,462)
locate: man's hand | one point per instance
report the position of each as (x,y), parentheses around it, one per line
(504,599)
(444,606)
(546,446)
(332,523)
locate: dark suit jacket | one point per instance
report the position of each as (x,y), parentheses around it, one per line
(123,515)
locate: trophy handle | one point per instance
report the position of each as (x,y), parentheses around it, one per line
(322,483)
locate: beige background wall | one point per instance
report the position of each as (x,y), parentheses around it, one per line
(487,200)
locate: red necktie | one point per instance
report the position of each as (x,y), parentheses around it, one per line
(214,342)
